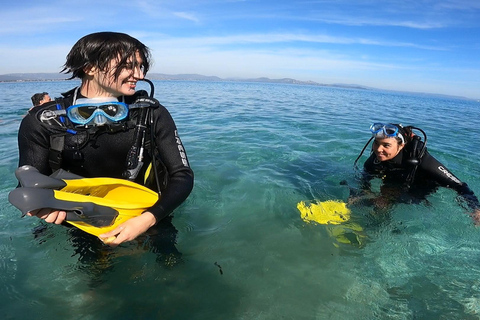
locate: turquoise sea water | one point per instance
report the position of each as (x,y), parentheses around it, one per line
(257,150)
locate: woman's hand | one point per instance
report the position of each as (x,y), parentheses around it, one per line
(129,230)
(49,215)
(476,217)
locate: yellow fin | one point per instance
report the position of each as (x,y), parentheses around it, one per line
(94,205)
(128,198)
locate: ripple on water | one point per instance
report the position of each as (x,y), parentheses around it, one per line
(257,150)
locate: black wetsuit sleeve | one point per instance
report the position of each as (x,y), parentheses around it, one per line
(34,144)
(435,170)
(174,157)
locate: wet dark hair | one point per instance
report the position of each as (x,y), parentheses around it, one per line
(98,49)
(406,133)
(37,97)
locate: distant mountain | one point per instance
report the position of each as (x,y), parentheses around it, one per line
(197,77)
(32,77)
(161,76)
(184,77)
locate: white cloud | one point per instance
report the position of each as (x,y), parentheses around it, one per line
(187,16)
(347,20)
(269,38)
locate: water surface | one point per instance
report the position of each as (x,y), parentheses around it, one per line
(257,150)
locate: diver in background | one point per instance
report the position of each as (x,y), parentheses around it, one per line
(95,131)
(40,98)
(406,168)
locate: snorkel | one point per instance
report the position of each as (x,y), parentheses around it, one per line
(361,152)
(134,161)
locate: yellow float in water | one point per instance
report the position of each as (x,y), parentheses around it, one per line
(336,216)
(327,212)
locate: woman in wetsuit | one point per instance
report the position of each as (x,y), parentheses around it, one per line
(401,160)
(95,131)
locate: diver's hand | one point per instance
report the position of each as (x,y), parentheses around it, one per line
(476,217)
(49,215)
(353,200)
(129,230)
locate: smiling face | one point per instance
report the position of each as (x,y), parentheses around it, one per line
(386,148)
(116,80)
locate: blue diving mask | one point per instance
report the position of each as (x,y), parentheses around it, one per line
(97,111)
(386,131)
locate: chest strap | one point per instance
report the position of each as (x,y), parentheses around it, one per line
(57,143)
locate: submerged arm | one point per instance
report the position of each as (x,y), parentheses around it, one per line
(447,179)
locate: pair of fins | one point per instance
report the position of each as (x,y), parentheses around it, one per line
(94,205)
(336,216)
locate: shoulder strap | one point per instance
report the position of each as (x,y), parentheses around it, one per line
(415,157)
(57,142)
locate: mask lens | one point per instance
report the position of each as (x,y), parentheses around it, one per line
(111,110)
(87,113)
(376,127)
(390,130)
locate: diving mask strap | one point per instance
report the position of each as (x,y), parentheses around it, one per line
(75,95)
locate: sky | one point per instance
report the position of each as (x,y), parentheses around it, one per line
(430,46)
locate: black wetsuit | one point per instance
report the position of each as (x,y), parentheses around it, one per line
(429,175)
(102,151)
